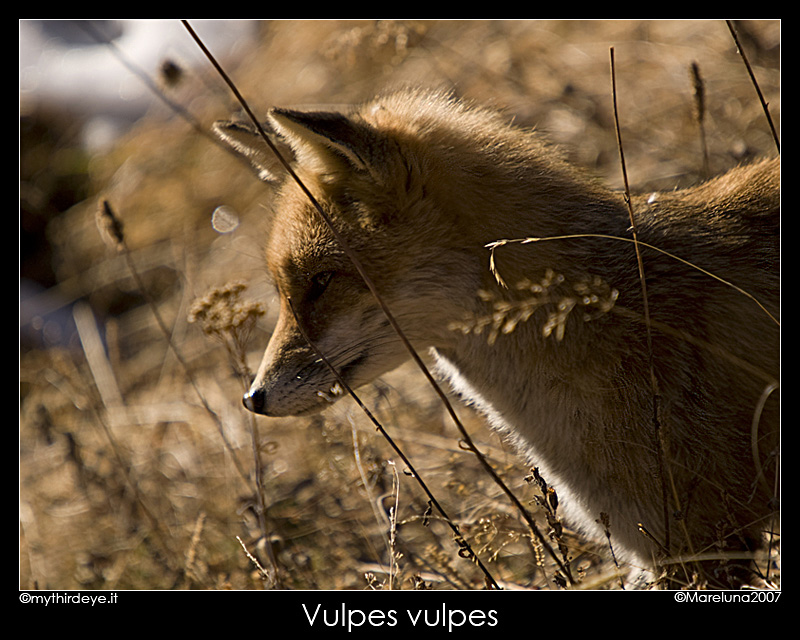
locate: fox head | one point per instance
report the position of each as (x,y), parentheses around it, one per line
(370,171)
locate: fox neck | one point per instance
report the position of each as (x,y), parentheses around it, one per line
(553,202)
(543,198)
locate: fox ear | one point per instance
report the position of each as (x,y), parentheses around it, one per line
(245,140)
(326,142)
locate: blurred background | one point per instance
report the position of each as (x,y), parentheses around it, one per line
(139,468)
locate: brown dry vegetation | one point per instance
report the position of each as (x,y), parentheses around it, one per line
(133,478)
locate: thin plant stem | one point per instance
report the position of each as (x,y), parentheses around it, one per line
(752,75)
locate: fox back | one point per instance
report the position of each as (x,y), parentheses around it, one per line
(664,416)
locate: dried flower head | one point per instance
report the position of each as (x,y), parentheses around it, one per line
(593,295)
(221,310)
(222,314)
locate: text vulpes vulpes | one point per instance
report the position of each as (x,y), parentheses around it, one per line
(675,433)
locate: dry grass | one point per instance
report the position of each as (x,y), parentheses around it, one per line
(138,465)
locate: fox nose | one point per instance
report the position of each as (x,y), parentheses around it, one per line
(255,399)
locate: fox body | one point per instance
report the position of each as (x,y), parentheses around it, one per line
(671,424)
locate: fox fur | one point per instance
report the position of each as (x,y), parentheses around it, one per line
(676,433)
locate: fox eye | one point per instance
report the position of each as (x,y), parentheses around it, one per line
(319,282)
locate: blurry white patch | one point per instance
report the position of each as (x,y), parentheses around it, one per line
(224,219)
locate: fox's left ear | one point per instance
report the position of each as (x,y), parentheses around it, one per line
(325,142)
(245,140)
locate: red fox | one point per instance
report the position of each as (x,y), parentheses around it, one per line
(666,421)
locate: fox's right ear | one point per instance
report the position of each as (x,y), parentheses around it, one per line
(246,141)
(326,142)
